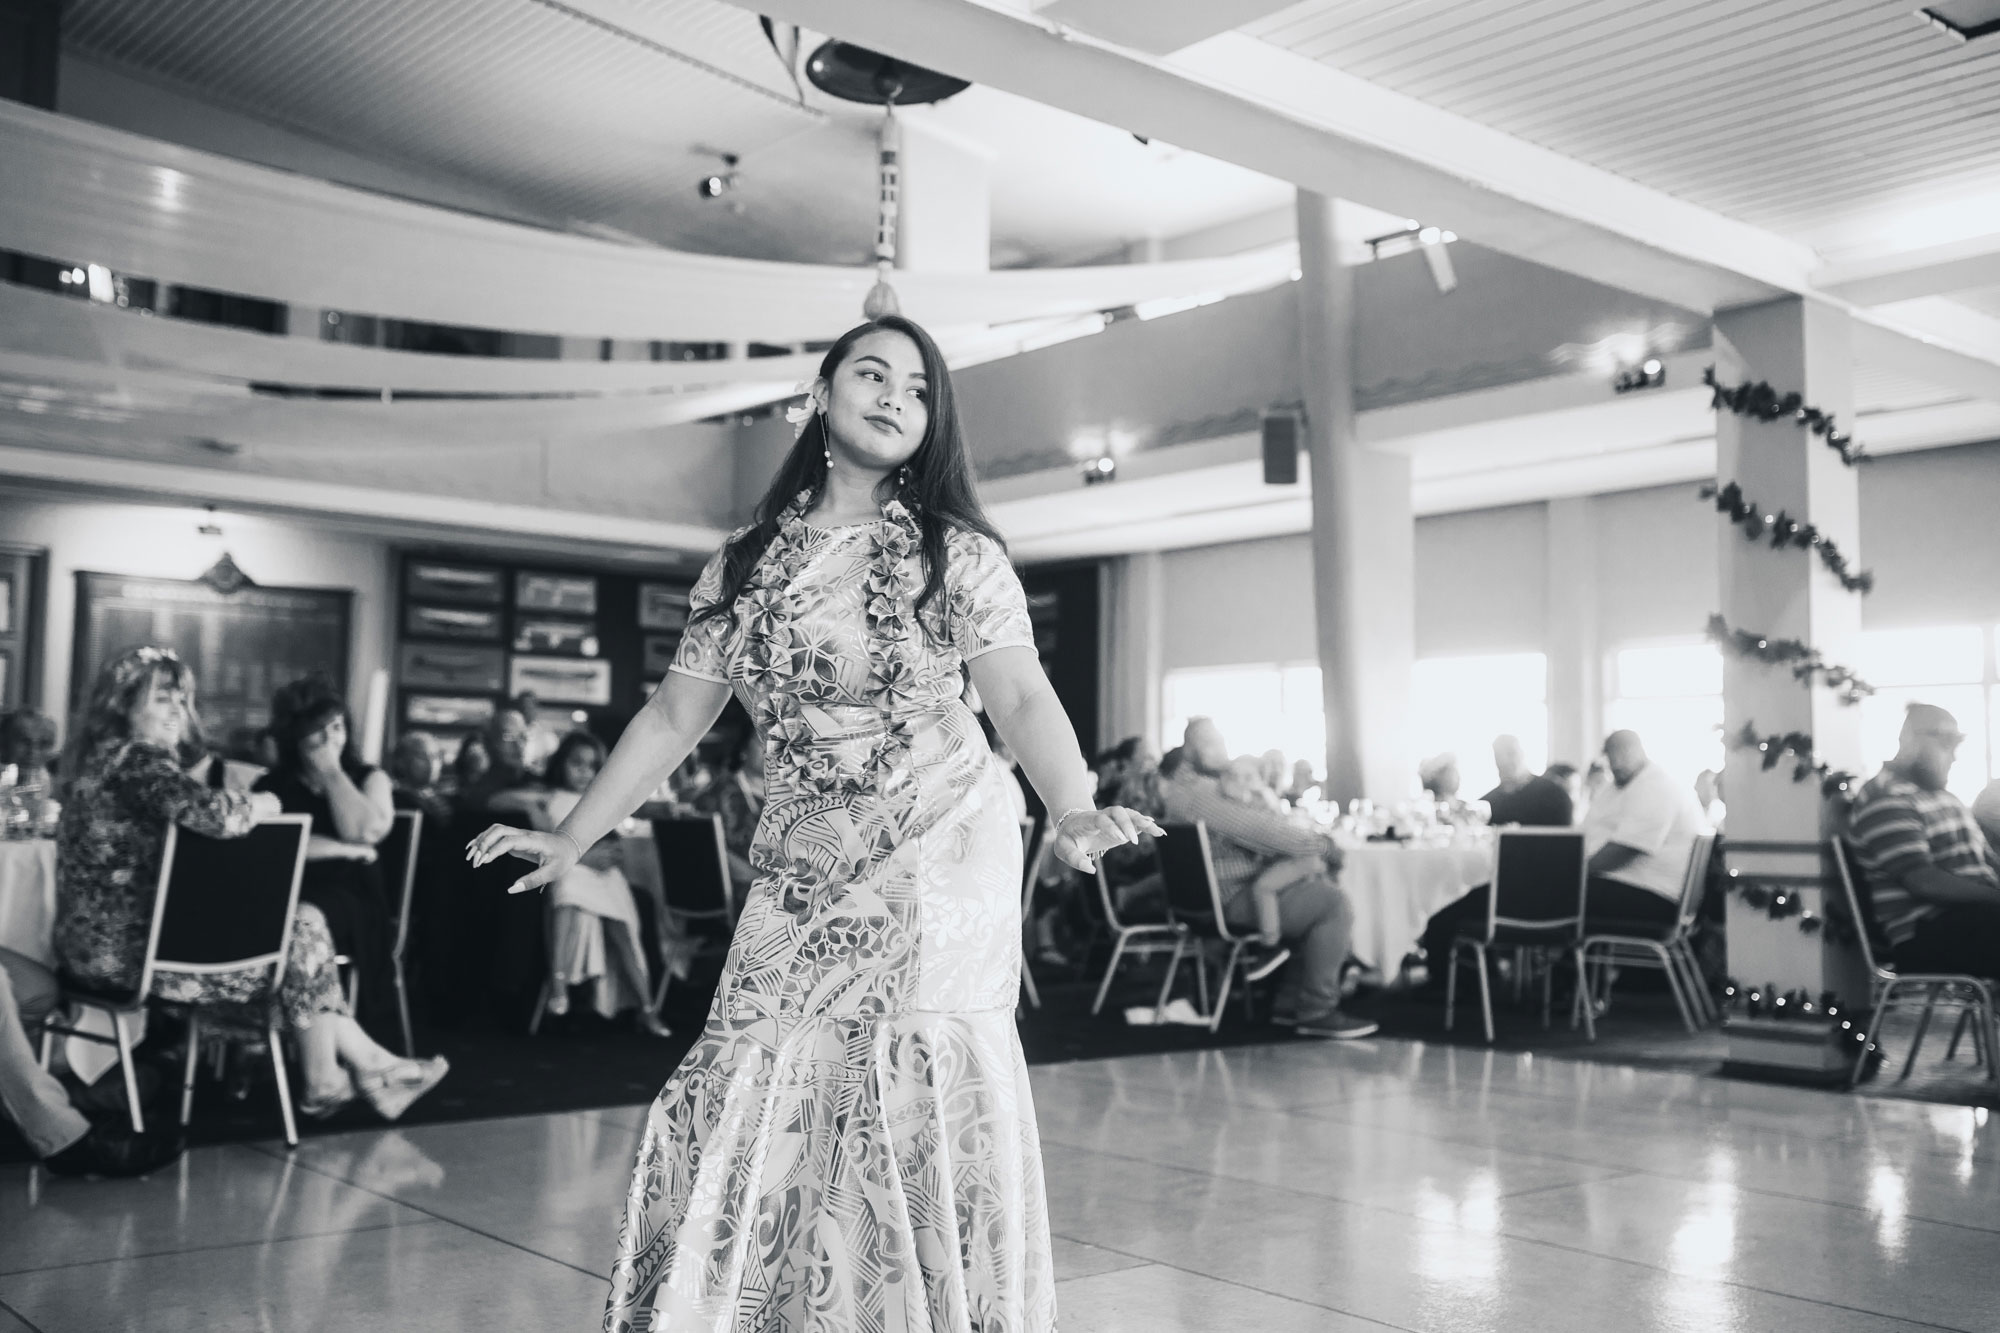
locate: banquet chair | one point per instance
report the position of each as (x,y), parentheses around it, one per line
(1035,846)
(1140,939)
(1194,908)
(397,855)
(1974,995)
(1537,901)
(695,884)
(222,905)
(1672,953)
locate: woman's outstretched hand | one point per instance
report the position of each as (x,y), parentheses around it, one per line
(1085,833)
(552,853)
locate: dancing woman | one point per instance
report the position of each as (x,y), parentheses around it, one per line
(851,1143)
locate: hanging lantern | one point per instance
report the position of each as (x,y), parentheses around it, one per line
(888,204)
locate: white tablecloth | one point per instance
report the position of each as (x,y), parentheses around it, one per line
(28,898)
(1396,887)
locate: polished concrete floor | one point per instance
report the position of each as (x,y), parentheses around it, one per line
(1278,1189)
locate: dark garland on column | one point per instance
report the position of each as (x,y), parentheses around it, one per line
(1798,747)
(1784,530)
(1803,660)
(1761,402)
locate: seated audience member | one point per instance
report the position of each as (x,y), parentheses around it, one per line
(320,773)
(595,936)
(1247,779)
(507,784)
(1441,779)
(415,772)
(1932,877)
(127,790)
(1316,918)
(544,732)
(1523,798)
(1708,795)
(28,742)
(1639,834)
(1304,786)
(738,796)
(34,1099)
(470,764)
(1571,781)
(1986,813)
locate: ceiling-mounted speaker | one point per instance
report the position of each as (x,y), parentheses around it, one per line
(1283,438)
(856,74)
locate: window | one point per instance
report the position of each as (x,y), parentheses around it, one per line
(1950,667)
(1460,704)
(1671,695)
(1258,707)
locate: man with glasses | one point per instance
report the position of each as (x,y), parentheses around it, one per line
(1932,877)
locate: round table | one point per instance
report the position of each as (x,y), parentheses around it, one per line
(28,898)
(1395,887)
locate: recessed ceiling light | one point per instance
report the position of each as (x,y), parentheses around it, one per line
(1964,19)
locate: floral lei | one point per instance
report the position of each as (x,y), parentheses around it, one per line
(768,608)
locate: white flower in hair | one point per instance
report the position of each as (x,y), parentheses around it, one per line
(800,413)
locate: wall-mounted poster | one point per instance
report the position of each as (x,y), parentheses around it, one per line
(562,680)
(447,710)
(573,593)
(6,604)
(663,606)
(5,663)
(557,638)
(660,649)
(431,581)
(450,622)
(438,666)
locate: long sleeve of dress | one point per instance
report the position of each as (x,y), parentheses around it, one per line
(149,782)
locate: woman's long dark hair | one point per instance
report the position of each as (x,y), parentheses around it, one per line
(301,709)
(120,687)
(555,772)
(939,492)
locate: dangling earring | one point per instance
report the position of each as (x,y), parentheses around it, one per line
(903,477)
(826,445)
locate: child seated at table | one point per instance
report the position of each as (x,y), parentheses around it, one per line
(1245,782)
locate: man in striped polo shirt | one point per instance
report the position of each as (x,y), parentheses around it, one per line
(1933,880)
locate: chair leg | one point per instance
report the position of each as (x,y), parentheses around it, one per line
(1222,994)
(1028,986)
(1868,1036)
(284,1085)
(1104,986)
(1167,986)
(1957,1032)
(1485,991)
(1589,1016)
(1674,983)
(189,1065)
(541,1007)
(1450,985)
(129,1072)
(1201,974)
(1697,983)
(403,1011)
(1923,1026)
(1579,999)
(48,1051)
(1690,983)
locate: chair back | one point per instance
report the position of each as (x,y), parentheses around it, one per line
(1187,874)
(1695,886)
(226,904)
(1538,882)
(1861,911)
(694,868)
(397,855)
(1037,845)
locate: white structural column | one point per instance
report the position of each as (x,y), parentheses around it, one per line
(1807,347)
(1364,540)
(1130,660)
(1576,665)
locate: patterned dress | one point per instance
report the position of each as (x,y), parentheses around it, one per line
(108,849)
(850,1146)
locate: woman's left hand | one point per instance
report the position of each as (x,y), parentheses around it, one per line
(1085,833)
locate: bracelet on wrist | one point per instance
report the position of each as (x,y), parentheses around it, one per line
(571,839)
(1073,810)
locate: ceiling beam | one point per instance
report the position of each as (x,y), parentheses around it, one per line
(1909,274)
(1249,102)
(1157,26)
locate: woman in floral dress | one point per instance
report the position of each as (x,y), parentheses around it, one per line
(127,791)
(851,1145)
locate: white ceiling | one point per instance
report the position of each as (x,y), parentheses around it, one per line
(609,112)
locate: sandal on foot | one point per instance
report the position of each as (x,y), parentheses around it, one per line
(391,1091)
(314,1107)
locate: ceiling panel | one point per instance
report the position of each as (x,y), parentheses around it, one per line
(1810,117)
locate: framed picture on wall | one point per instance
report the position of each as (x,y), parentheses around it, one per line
(438,666)
(663,606)
(432,581)
(562,680)
(6,673)
(574,593)
(555,638)
(659,655)
(447,710)
(6,603)
(451,622)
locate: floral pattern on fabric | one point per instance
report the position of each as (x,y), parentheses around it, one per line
(108,848)
(851,1144)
